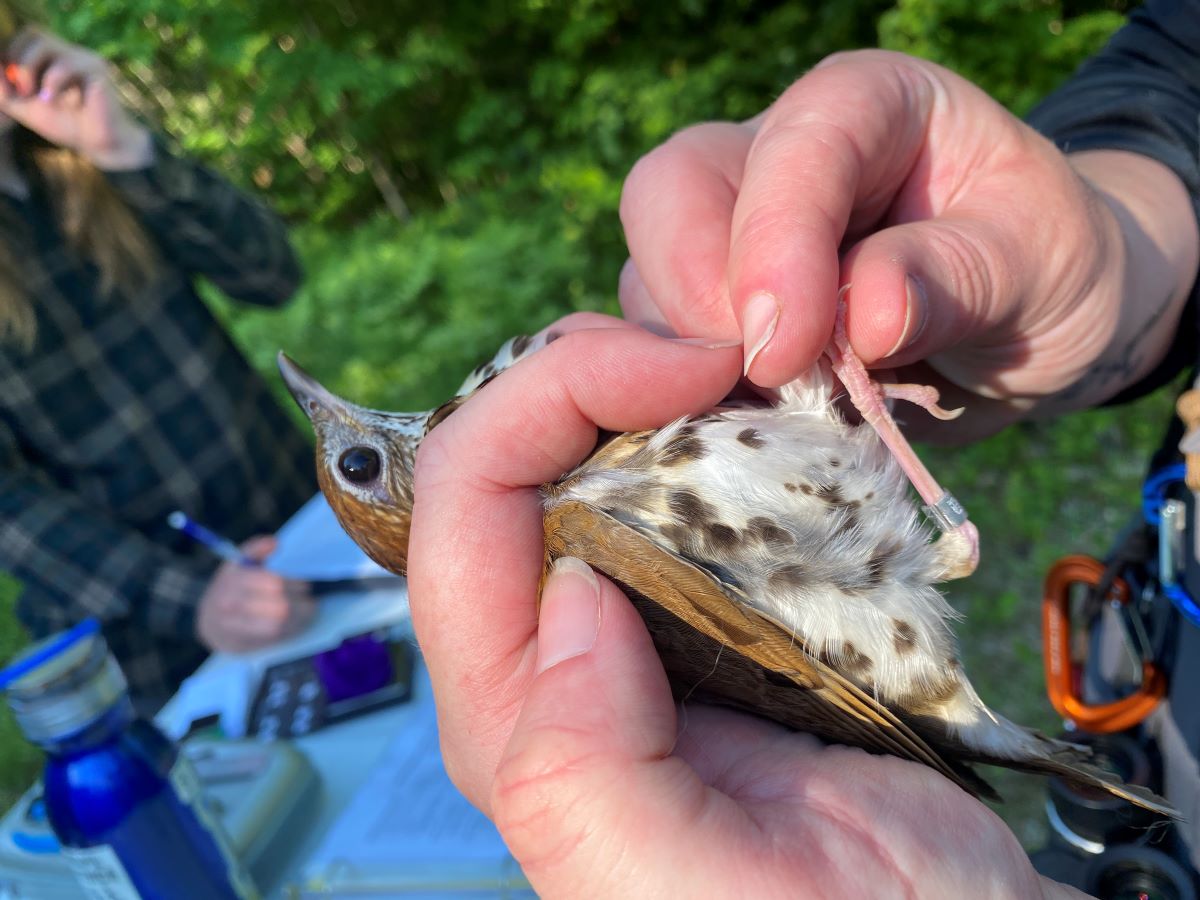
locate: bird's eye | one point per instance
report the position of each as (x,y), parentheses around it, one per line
(360,465)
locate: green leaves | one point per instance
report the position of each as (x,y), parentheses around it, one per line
(396,315)
(1018,50)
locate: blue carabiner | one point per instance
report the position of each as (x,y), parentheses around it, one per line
(1154,491)
(1154,495)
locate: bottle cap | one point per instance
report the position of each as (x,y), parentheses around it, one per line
(62,684)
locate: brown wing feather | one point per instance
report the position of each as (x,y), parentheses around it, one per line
(717,650)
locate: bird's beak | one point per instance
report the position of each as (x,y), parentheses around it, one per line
(310,395)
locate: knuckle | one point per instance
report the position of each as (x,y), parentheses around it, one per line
(778,225)
(975,275)
(535,798)
(862,55)
(659,171)
(642,182)
(267,583)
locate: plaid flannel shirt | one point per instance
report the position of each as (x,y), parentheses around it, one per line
(127,408)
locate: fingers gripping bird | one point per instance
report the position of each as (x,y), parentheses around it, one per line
(774,552)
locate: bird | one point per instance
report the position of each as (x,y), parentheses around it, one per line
(773,549)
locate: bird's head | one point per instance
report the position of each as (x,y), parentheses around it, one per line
(364,465)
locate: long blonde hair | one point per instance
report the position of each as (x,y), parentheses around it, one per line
(96,222)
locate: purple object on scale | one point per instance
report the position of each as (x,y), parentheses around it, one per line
(358,665)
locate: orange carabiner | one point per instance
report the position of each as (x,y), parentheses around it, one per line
(1063,674)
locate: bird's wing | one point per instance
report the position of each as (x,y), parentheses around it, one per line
(716,649)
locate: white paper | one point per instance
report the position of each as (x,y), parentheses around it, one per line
(409,825)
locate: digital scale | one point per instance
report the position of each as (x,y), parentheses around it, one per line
(261,793)
(365,672)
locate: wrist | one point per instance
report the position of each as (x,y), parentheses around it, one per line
(131,149)
(1150,264)
(1141,235)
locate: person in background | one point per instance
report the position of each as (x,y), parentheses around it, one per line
(1021,279)
(121,397)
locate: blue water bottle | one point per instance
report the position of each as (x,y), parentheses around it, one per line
(125,805)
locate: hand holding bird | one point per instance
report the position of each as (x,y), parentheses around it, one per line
(598,732)
(774,553)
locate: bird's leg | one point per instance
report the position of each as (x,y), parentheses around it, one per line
(960,541)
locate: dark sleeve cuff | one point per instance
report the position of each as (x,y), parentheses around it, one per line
(152,189)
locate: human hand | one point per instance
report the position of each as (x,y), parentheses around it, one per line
(64,93)
(1030,282)
(245,608)
(562,727)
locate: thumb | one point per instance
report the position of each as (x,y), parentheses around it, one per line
(260,547)
(587,782)
(922,288)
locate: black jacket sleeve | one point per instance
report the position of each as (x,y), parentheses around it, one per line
(208,227)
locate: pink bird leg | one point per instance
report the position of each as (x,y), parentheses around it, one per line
(961,537)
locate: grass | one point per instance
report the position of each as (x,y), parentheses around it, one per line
(19,760)
(1037,492)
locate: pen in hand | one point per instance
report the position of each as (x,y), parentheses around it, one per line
(228,550)
(222,547)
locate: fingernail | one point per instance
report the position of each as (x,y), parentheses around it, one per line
(758,326)
(916,313)
(708,343)
(570,616)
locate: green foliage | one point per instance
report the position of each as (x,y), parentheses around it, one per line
(334,106)
(328,104)
(1018,50)
(19,760)
(395,315)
